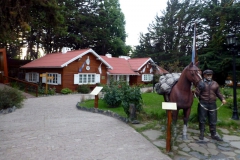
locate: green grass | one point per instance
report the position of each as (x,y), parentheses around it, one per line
(152,110)
(103,106)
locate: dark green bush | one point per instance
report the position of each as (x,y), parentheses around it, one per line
(131,95)
(10,97)
(83,89)
(120,92)
(66,91)
(112,95)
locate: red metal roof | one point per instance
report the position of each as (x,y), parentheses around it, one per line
(59,60)
(120,66)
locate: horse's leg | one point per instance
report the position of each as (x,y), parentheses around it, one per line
(174,116)
(166,97)
(186,113)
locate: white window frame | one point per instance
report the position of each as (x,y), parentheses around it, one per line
(32,77)
(86,78)
(147,77)
(55,81)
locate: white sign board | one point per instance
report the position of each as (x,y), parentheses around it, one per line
(96,90)
(169,106)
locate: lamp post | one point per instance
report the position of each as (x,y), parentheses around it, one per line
(232,42)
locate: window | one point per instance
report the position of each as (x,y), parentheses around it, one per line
(32,77)
(147,77)
(53,78)
(86,78)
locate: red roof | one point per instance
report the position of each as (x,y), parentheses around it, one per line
(60,60)
(120,66)
(137,63)
(117,66)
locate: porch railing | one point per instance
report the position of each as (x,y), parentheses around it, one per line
(22,85)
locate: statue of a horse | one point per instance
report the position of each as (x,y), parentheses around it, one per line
(182,95)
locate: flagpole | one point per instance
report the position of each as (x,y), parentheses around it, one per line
(194,52)
(196,55)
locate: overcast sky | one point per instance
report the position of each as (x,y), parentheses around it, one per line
(138,15)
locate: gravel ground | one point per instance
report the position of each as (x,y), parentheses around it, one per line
(53,128)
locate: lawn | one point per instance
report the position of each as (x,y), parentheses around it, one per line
(152,109)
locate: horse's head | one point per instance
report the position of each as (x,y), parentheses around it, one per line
(193,73)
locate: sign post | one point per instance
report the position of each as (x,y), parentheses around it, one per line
(95,92)
(169,106)
(47,78)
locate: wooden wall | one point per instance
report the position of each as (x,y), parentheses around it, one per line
(73,68)
(67,73)
(136,80)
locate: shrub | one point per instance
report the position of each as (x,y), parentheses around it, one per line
(42,90)
(10,97)
(52,91)
(131,95)
(226,92)
(112,95)
(83,89)
(66,91)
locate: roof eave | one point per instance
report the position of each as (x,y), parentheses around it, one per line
(84,53)
(41,67)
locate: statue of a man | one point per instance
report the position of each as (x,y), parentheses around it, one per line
(208,91)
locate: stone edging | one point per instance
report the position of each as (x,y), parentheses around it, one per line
(8,110)
(107,113)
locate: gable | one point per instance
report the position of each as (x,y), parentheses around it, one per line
(138,63)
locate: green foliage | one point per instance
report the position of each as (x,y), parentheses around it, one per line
(117,93)
(52,91)
(227,92)
(10,97)
(55,24)
(66,91)
(14,85)
(42,90)
(83,89)
(182,16)
(103,106)
(131,95)
(112,94)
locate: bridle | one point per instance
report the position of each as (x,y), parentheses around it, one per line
(196,72)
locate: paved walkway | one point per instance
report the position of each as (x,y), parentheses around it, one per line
(193,148)
(53,128)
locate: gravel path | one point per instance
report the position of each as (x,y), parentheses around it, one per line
(53,128)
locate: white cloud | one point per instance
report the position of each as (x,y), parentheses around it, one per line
(138,15)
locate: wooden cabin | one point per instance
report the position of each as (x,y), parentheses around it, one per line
(68,69)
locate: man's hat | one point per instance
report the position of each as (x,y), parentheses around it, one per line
(208,71)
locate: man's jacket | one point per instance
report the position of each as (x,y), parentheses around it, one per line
(209,91)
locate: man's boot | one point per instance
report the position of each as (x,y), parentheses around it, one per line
(213,133)
(202,129)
